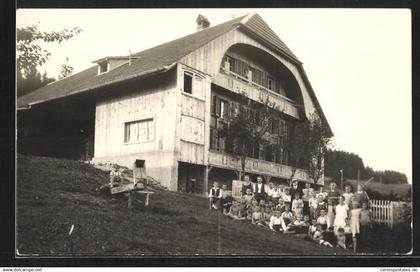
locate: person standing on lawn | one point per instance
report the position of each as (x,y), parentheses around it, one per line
(246,184)
(355,222)
(333,194)
(215,196)
(361,196)
(297,205)
(365,224)
(295,189)
(287,198)
(269,189)
(313,205)
(341,213)
(306,195)
(259,190)
(348,195)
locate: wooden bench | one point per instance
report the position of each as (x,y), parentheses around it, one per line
(130,189)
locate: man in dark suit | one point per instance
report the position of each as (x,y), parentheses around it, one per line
(259,190)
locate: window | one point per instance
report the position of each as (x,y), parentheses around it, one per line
(220,107)
(224,108)
(139,131)
(283,128)
(194,84)
(268,152)
(231,63)
(275,125)
(270,83)
(188,83)
(102,67)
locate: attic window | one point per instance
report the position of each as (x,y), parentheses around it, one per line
(188,83)
(102,67)
(193,84)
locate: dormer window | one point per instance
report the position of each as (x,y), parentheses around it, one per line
(102,67)
(111,62)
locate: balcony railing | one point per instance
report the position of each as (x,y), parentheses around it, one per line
(239,84)
(227,161)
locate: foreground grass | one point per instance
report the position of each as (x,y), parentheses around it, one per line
(54,194)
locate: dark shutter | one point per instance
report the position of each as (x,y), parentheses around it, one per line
(227,109)
(213,138)
(213,105)
(217,99)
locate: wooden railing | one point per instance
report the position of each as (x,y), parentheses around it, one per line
(261,167)
(239,84)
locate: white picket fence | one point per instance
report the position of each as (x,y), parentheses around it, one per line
(387,212)
(382,212)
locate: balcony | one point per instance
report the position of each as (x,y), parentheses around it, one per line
(238,84)
(227,161)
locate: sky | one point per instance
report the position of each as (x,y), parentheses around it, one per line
(357,60)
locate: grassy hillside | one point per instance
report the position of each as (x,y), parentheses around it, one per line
(53,194)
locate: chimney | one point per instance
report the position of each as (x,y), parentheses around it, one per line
(202,22)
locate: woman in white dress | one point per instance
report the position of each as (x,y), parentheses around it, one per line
(341,213)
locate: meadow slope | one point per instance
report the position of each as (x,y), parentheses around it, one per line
(54,194)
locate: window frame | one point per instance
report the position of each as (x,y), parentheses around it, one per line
(193,76)
(138,121)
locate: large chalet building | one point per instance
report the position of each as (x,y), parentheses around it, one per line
(165,104)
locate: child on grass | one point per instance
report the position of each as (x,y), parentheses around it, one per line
(299,225)
(276,222)
(115,176)
(236,211)
(267,213)
(287,217)
(280,206)
(340,238)
(348,234)
(248,197)
(323,219)
(319,236)
(257,217)
(321,205)
(312,229)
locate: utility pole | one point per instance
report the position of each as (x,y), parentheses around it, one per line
(358,177)
(341,185)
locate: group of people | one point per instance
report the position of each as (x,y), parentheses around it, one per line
(333,218)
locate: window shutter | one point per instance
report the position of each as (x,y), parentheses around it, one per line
(213,105)
(213,138)
(282,127)
(227,109)
(276,124)
(217,99)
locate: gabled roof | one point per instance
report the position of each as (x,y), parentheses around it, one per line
(155,59)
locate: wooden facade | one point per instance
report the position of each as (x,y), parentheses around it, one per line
(180,107)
